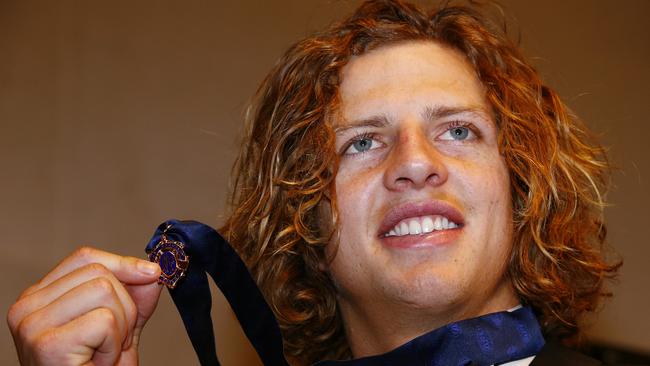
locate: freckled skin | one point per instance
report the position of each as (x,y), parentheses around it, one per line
(388,296)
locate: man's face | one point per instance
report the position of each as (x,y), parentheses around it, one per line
(422,191)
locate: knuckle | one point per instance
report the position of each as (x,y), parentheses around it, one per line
(44,343)
(97,269)
(13,315)
(107,317)
(25,328)
(102,286)
(85,252)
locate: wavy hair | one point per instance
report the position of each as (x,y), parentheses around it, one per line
(286,168)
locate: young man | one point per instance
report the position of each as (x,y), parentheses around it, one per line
(401,171)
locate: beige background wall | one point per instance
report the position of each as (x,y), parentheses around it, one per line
(116,115)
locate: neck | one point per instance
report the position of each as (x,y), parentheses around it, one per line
(377,328)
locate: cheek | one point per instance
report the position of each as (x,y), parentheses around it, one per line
(356,192)
(497,206)
(486,182)
(500,199)
(484,187)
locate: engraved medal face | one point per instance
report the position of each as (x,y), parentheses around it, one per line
(170,256)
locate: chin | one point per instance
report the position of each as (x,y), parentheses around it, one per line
(429,290)
(445,291)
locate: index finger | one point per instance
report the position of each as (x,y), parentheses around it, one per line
(128,270)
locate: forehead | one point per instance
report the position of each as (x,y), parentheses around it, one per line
(408,74)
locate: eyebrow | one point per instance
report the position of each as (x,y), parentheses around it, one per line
(438,112)
(380,120)
(430,113)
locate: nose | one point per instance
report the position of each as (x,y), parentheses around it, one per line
(415,162)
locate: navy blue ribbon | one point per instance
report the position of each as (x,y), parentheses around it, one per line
(487,340)
(490,339)
(211,253)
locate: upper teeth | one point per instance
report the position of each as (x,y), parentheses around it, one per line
(421,225)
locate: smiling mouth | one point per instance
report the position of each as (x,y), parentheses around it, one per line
(421,225)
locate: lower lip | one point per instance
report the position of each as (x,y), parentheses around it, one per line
(432,239)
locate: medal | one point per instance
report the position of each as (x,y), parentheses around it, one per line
(170,256)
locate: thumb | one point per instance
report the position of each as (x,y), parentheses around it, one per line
(146,299)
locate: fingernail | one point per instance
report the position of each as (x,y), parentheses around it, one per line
(148,268)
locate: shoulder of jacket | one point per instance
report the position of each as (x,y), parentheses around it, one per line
(553,353)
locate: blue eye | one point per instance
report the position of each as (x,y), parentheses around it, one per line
(361,144)
(459,133)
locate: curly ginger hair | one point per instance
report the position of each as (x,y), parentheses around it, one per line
(287,166)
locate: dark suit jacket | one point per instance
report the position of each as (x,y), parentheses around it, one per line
(555,354)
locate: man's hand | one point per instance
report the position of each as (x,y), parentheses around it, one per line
(89,310)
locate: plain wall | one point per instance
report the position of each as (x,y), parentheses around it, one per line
(117,115)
